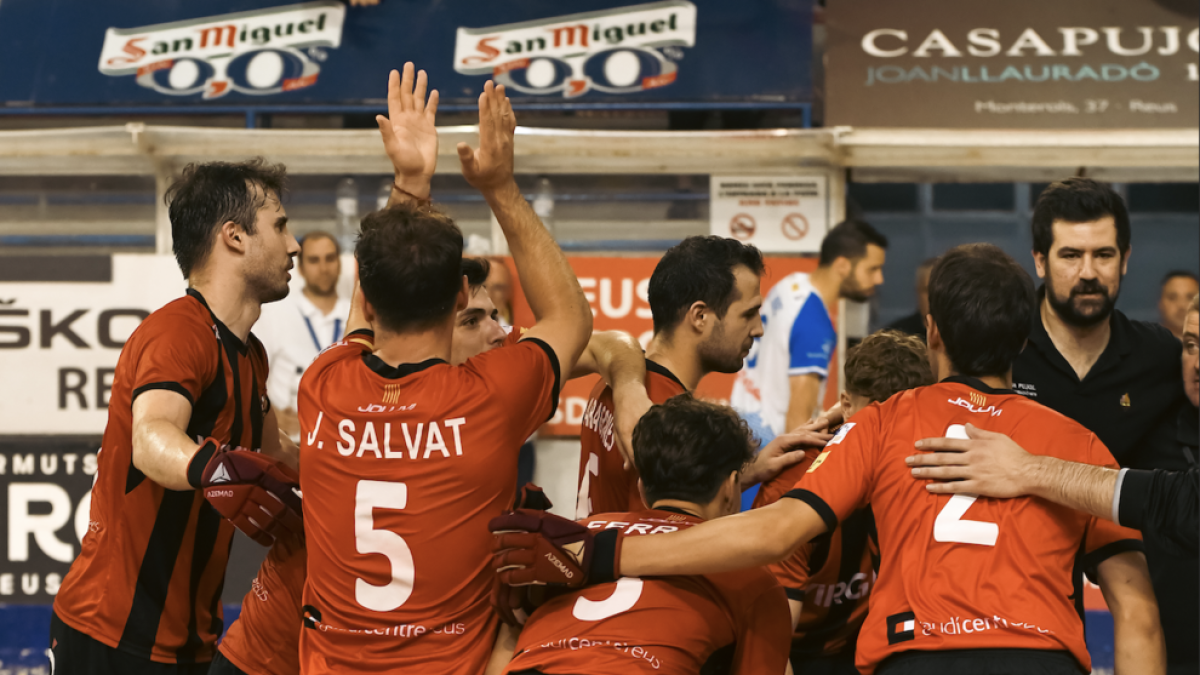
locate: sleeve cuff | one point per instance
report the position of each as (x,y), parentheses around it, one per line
(606,558)
(557,373)
(818,505)
(809,370)
(168,386)
(1092,560)
(796,594)
(1116,502)
(1129,502)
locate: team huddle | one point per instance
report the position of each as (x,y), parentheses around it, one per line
(396,541)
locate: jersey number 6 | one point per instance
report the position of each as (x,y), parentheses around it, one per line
(371,495)
(950,526)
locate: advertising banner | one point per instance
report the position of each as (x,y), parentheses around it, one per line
(1021,64)
(325,52)
(617,289)
(778,214)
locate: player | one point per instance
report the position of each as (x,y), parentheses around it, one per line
(829,581)
(404,457)
(265,638)
(689,454)
(783,382)
(965,584)
(705,299)
(144,594)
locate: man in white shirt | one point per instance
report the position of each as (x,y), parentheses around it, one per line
(783,380)
(296,329)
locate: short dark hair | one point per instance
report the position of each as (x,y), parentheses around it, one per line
(1173,274)
(317,235)
(885,363)
(984,306)
(206,196)
(1077,200)
(685,448)
(476,270)
(849,239)
(410,265)
(698,269)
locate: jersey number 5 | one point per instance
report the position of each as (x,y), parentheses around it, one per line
(950,526)
(371,495)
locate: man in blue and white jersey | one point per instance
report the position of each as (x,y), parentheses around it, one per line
(782,382)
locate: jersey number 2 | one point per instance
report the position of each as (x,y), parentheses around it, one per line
(371,495)
(950,526)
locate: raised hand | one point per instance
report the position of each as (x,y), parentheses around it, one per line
(409,134)
(491,165)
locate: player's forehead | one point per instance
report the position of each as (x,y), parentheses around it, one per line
(480,300)
(317,247)
(747,287)
(1085,236)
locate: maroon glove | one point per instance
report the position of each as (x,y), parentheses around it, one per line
(535,547)
(259,495)
(514,604)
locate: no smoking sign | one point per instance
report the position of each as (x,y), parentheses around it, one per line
(742,227)
(777,214)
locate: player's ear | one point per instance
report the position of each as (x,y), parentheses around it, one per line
(700,317)
(1039,264)
(368,312)
(847,404)
(732,492)
(464,296)
(233,236)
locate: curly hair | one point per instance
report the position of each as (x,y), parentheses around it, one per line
(886,363)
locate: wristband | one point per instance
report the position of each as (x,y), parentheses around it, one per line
(606,558)
(195,469)
(421,201)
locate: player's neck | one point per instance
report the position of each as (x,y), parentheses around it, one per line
(229,300)
(325,302)
(826,283)
(683,362)
(396,349)
(1081,346)
(704,512)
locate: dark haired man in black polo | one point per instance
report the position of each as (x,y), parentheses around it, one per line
(1117,377)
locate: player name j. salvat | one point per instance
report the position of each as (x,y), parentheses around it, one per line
(393,440)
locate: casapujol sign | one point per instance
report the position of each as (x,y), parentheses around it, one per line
(614,51)
(260,52)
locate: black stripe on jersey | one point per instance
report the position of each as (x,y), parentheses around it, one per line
(854,530)
(217,625)
(257,411)
(818,504)
(154,576)
(208,525)
(232,349)
(557,373)
(169,386)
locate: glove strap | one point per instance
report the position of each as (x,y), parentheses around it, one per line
(606,556)
(195,469)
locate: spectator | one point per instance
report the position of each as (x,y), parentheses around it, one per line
(914,324)
(296,329)
(782,382)
(1178,289)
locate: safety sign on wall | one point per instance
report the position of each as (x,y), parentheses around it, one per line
(778,214)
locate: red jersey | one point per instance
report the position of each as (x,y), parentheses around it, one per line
(265,638)
(605,486)
(959,571)
(664,625)
(401,470)
(148,579)
(832,575)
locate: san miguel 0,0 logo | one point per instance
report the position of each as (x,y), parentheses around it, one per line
(261,52)
(615,51)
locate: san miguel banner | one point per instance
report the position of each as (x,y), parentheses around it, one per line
(617,290)
(1019,64)
(325,52)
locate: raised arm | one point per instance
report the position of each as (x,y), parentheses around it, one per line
(410,135)
(619,359)
(563,317)
(1137,632)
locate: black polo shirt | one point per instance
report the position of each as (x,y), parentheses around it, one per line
(1130,398)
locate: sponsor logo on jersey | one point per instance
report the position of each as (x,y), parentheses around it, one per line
(221,475)
(819,461)
(901,627)
(259,53)
(613,51)
(975,405)
(841,433)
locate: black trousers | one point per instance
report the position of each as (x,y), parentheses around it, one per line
(981,662)
(74,653)
(839,664)
(223,666)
